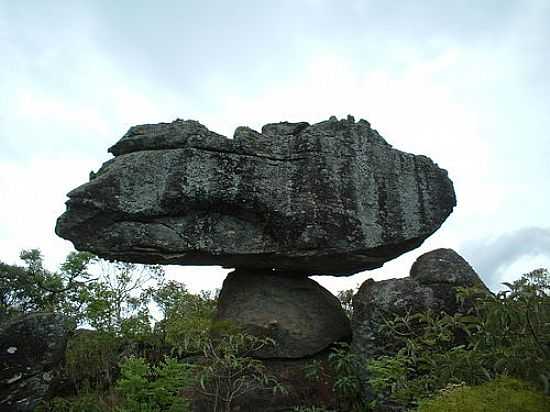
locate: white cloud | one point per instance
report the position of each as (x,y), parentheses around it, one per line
(468,91)
(33,195)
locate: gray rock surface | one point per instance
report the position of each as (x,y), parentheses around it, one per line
(301,316)
(432,284)
(32,349)
(333,198)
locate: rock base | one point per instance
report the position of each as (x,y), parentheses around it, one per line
(301,316)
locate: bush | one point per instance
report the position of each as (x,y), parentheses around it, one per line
(145,388)
(228,371)
(92,360)
(503,394)
(507,333)
(342,371)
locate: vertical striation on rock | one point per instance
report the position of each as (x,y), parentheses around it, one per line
(332,198)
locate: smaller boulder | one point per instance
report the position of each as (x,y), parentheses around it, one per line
(32,349)
(444,266)
(432,284)
(301,316)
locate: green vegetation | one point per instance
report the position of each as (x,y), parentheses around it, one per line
(500,395)
(494,356)
(230,372)
(146,388)
(503,334)
(341,373)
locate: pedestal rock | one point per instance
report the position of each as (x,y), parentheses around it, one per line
(301,316)
(332,198)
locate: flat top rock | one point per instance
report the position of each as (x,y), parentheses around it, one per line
(332,198)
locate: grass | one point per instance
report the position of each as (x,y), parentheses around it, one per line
(501,395)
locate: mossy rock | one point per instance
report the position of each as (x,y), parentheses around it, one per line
(501,395)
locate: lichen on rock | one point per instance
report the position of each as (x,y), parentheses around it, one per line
(332,198)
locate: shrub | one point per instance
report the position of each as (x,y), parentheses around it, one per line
(228,371)
(87,402)
(145,388)
(342,371)
(507,333)
(92,360)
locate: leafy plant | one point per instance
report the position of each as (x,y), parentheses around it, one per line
(229,371)
(145,388)
(342,371)
(87,402)
(507,333)
(91,359)
(117,302)
(187,318)
(32,288)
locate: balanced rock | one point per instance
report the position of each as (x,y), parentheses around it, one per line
(32,349)
(301,316)
(332,198)
(433,282)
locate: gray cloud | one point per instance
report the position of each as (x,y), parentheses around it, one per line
(489,257)
(179,44)
(464,82)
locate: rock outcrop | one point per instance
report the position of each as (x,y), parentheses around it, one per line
(301,316)
(432,284)
(333,198)
(32,349)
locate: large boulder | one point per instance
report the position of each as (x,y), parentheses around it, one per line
(301,316)
(432,284)
(332,198)
(32,349)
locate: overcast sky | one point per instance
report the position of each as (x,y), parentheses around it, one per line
(464,82)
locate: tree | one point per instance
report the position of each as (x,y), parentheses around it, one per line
(32,288)
(117,302)
(187,317)
(109,296)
